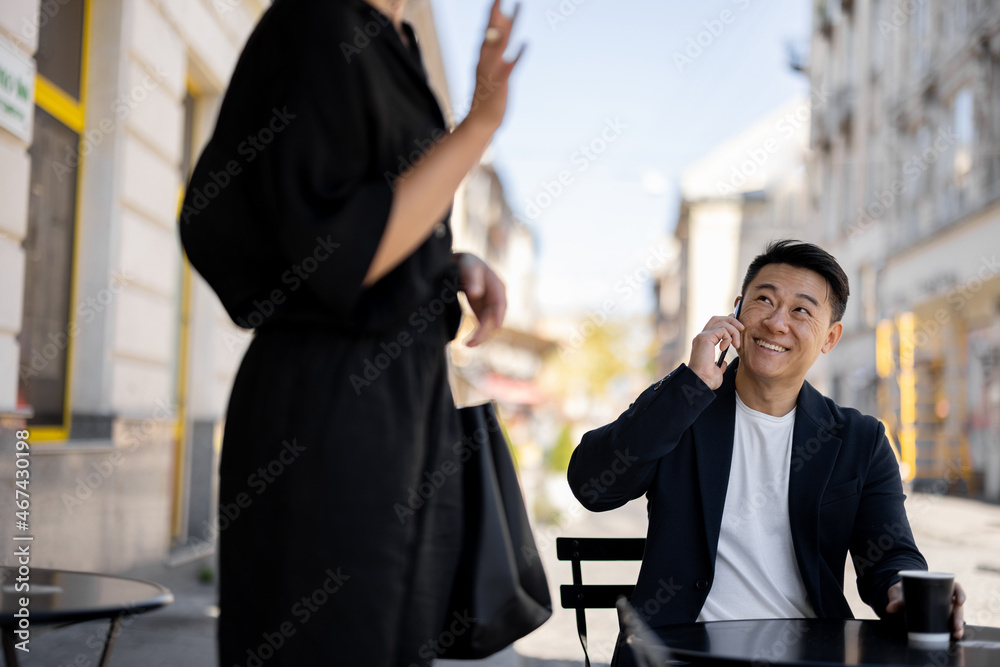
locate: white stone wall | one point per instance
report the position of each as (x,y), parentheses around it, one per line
(901,194)
(142,54)
(713,250)
(167,43)
(17,27)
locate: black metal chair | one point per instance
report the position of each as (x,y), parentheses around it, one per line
(580,596)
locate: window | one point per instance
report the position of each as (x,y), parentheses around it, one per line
(919,38)
(48,329)
(965,135)
(877,37)
(960,15)
(922,187)
(60,46)
(955,16)
(869,295)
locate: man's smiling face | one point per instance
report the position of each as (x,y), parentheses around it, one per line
(786,313)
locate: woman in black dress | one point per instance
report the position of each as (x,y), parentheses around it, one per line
(318,212)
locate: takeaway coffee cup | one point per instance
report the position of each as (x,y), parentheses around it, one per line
(927,605)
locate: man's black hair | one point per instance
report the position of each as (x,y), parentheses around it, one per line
(805,256)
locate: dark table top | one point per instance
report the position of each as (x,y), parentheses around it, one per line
(57,596)
(815,641)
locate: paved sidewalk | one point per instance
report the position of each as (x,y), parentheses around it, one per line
(181,634)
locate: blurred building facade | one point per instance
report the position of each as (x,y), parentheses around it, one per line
(111,354)
(742,194)
(904,185)
(114,355)
(506,368)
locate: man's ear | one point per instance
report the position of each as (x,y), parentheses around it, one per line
(736,302)
(832,337)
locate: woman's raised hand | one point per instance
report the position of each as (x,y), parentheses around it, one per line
(489,101)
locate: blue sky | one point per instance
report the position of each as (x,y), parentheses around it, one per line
(610,76)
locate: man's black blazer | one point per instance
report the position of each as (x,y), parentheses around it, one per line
(675,445)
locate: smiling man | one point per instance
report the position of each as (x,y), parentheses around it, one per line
(757,485)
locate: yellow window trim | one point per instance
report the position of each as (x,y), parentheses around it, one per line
(49,434)
(69,111)
(192,86)
(180,434)
(183,355)
(60,104)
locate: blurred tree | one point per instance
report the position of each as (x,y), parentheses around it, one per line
(590,363)
(558,456)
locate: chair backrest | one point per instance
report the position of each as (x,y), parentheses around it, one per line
(582,596)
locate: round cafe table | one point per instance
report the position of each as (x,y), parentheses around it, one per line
(60,596)
(818,641)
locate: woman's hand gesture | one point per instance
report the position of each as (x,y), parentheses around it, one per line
(486,294)
(490,98)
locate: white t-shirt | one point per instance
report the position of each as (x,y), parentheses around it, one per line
(756,575)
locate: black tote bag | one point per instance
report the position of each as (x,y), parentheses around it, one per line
(500,583)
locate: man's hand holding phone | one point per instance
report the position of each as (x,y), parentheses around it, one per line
(720,331)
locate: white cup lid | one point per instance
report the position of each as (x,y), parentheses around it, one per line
(923,574)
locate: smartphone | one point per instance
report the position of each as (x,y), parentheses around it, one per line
(722,357)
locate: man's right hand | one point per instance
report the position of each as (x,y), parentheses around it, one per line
(725,330)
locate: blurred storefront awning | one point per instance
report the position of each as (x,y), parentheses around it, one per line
(510,390)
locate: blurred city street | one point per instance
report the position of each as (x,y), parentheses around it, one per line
(650,151)
(954,534)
